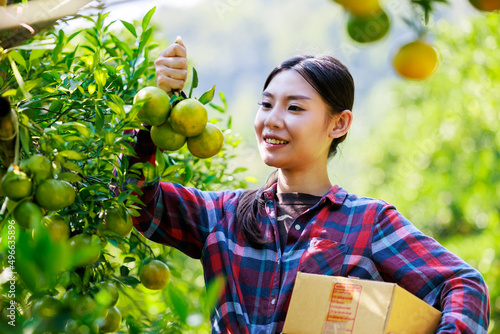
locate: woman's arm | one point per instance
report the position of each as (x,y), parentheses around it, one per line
(421,265)
(172,215)
(181,217)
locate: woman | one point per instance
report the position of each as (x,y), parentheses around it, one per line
(299,221)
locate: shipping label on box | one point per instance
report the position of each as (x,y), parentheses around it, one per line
(338,305)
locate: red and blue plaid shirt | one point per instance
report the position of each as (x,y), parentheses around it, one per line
(342,235)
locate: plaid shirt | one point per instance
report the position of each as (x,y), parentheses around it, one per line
(342,235)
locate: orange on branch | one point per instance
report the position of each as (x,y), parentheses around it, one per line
(486,5)
(166,138)
(415,60)
(118,221)
(208,143)
(370,28)
(16,185)
(155,275)
(55,194)
(189,117)
(156,107)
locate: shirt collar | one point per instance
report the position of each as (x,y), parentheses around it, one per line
(336,194)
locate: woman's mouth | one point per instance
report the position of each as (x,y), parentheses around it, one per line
(274,141)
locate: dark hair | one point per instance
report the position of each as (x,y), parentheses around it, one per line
(333,82)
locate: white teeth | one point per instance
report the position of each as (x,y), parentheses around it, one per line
(275,141)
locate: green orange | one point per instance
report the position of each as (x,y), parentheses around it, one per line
(27,214)
(16,185)
(119,221)
(369,28)
(46,307)
(85,248)
(156,107)
(155,275)
(38,166)
(108,294)
(111,323)
(57,228)
(189,117)
(208,143)
(54,194)
(166,138)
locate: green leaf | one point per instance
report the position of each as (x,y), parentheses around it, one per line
(91,88)
(123,196)
(178,301)
(207,96)
(149,172)
(214,290)
(73,155)
(223,99)
(219,108)
(124,271)
(36,54)
(129,259)
(147,18)
(19,78)
(18,58)
(70,177)
(25,138)
(130,280)
(194,82)
(239,170)
(130,27)
(100,76)
(145,36)
(117,109)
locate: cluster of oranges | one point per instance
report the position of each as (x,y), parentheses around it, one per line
(368,22)
(31,187)
(172,127)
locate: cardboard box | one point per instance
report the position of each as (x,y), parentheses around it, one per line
(338,305)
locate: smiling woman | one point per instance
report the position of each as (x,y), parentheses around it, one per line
(298,221)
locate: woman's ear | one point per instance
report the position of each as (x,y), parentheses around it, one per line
(340,124)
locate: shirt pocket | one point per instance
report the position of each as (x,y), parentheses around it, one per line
(323,257)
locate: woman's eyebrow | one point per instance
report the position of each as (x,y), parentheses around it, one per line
(289,97)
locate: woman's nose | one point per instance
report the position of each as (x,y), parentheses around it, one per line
(274,118)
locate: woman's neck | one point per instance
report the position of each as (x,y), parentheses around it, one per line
(307,182)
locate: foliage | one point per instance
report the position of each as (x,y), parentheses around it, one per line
(438,159)
(73,93)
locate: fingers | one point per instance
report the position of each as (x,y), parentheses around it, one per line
(175,50)
(169,84)
(172,62)
(172,67)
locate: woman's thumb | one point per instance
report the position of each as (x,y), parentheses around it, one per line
(179,41)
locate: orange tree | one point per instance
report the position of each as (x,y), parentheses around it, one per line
(69,260)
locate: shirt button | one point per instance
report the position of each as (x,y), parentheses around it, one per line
(273,301)
(297,227)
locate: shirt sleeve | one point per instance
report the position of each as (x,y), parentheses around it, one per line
(174,215)
(422,266)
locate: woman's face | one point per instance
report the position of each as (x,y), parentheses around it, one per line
(293,125)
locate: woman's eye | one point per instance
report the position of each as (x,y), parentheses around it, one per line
(265,105)
(295,108)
